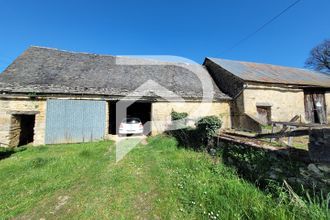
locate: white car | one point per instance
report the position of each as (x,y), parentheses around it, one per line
(131,126)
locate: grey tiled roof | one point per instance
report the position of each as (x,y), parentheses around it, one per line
(51,71)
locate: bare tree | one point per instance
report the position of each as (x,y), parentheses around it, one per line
(319,58)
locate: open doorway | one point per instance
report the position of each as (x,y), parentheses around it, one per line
(22,129)
(141,110)
(315,107)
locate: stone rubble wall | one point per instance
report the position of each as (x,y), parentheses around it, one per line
(263,166)
(9,125)
(319,145)
(15,131)
(285,102)
(161,113)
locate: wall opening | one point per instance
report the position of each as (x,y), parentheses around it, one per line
(264,114)
(112,118)
(315,107)
(22,129)
(141,110)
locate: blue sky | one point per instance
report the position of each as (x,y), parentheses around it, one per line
(190,28)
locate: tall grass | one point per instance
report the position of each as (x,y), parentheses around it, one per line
(154,181)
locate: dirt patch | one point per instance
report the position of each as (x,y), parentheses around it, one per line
(144,142)
(61,201)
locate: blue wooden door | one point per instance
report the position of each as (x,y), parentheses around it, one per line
(74,121)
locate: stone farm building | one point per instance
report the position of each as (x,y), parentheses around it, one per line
(262,93)
(51,96)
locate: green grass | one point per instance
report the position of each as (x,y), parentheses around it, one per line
(154,181)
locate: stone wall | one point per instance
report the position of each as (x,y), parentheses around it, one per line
(241,120)
(237,111)
(8,123)
(319,145)
(264,166)
(15,131)
(161,113)
(285,102)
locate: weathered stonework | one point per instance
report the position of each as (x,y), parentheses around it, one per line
(14,131)
(285,102)
(319,145)
(263,166)
(9,124)
(161,113)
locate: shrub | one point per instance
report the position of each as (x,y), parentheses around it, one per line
(178,115)
(207,128)
(186,137)
(178,119)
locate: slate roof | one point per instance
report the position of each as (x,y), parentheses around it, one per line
(51,71)
(266,73)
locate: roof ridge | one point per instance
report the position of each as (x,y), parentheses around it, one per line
(70,51)
(137,57)
(269,64)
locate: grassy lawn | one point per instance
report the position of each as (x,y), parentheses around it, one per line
(154,181)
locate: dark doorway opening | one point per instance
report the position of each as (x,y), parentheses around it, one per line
(141,110)
(112,118)
(27,129)
(315,106)
(22,129)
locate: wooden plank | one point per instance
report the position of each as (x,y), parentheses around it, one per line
(285,127)
(294,133)
(23,112)
(298,124)
(309,107)
(319,102)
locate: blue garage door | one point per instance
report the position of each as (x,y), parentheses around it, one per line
(73,121)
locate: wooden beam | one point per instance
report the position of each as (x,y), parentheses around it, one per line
(23,112)
(295,133)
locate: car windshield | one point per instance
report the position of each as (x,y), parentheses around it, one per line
(131,121)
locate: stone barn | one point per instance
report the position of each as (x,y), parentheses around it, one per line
(49,96)
(263,93)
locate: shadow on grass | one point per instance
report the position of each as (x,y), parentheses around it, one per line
(186,138)
(275,171)
(270,171)
(7,152)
